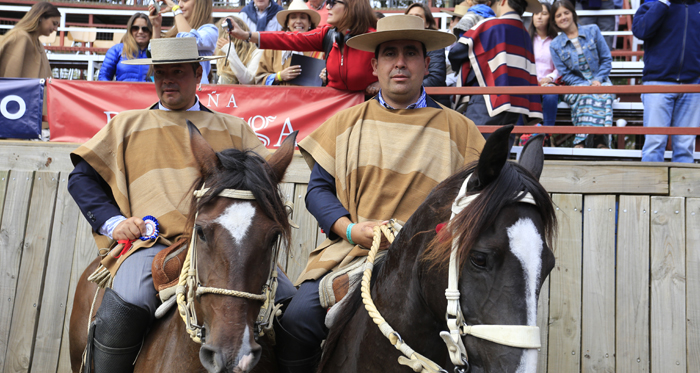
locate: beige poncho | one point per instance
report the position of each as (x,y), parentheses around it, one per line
(145,157)
(385,163)
(23,56)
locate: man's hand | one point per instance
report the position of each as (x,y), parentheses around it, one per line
(363,234)
(372,89)
(595,83)
(129,229)
(545,81)
(323,76)
(290,73)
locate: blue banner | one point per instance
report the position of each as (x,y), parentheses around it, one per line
(21,102)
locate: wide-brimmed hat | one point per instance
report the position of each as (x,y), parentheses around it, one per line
(533,6)
(172,50)
(298,6)
(459,11)
(401,27)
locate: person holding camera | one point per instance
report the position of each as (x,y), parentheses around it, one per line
(671,56)
(242,57)
(275,67)
(192,20)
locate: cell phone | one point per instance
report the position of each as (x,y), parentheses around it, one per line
(227,25)
(156,4)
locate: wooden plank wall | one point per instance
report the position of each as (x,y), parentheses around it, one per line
(624,295)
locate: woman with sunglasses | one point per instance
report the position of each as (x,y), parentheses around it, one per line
(347,68)
(134,45)
(21,53)
(193,19)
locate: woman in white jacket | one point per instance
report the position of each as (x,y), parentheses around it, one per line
(243,58)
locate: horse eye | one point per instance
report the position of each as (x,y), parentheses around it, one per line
(478,259)
(200,233)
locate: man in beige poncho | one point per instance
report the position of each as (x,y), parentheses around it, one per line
(141,164)
(370,163)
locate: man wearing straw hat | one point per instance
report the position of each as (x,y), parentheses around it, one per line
(497,52)
(459,11)
(370,163)
(140,164)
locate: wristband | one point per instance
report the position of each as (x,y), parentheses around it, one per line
(348,233)
(176,10)
(279,76)
(250,35)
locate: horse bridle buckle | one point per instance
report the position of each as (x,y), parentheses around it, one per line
(464,368)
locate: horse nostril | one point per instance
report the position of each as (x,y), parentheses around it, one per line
(212,359)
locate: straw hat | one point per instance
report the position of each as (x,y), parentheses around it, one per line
(401,27)
(533,6)
(460,10)
(298,6)
(172,50)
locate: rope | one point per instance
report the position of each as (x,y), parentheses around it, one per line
(414,360)
(189,279)
(234,293)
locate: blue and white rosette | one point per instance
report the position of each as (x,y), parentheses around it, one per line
(151,228)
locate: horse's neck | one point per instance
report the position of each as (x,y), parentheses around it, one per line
(168,347)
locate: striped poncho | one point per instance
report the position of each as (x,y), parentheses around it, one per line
(385,163)
(146,158)
(499,52)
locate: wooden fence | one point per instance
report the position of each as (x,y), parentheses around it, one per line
(624,295)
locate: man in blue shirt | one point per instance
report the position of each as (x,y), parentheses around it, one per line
(671,56)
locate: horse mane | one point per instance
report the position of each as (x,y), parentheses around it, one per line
(509,187)
(243,170)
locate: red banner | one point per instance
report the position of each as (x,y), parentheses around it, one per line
(78,109)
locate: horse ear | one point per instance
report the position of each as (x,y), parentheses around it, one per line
(280,160)
(203,153)
(532,156)
(493,157)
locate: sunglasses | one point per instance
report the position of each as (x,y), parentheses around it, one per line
(332,3)
(143,28)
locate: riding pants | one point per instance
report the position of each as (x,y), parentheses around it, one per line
(304,317)
(134,282)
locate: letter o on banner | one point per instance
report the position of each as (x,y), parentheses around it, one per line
(3,107)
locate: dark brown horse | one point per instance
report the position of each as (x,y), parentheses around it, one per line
(228,257)
(504,258)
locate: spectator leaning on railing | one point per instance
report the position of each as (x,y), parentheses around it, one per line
(514,65)
(671,34)
(582,58)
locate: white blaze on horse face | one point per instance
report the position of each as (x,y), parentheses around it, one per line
(245,356)
(236,219)
(526,244)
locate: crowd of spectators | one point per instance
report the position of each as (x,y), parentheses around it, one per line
(559,48)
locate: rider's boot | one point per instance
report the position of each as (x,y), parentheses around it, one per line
(294,355)
(116,334)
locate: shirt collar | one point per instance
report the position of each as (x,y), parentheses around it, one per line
(194,107)
(421,103)
(262,10)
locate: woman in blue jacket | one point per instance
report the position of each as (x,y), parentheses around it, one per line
(134,45)
(582,57)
